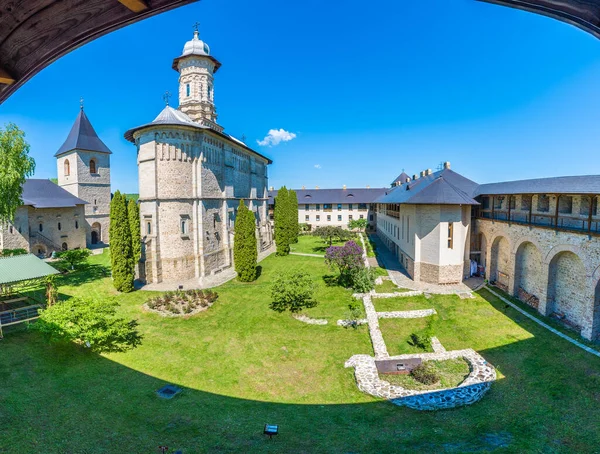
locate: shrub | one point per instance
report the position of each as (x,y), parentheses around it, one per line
(11,252)
(420,340)
(358,224)
(245,253)
(51,290)
(74,257)
(354,313)
(425,373)
(88,323)
(292,291)
(362,280)
(182,302)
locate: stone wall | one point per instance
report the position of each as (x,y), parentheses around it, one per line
(560,268)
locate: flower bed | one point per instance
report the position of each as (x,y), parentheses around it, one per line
(181,303)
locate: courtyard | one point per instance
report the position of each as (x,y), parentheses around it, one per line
(242,365)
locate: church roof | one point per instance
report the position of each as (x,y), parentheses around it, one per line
(402,178)
(40,193)
(445,187)
(173,117)
(334,196)
(83,137)
(579,184)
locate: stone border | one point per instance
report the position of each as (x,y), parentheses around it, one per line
(468,392)
(407,314)
(396,294)
(308,320)
(437,346)
(349,323)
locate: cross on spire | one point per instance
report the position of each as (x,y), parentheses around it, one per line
(166,97)
(196,25)
(81,103)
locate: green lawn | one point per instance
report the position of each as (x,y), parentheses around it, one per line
(308,244)
(242,365)
(401,303)
(388,286)
(396,333)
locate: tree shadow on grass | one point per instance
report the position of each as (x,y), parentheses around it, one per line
(330,280)
(84,275)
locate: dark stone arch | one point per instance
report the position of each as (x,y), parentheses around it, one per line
(567,283)
(529,274)
(500,262)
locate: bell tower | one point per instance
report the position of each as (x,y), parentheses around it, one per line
(196,69)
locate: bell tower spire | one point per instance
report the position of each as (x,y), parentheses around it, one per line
(196,69)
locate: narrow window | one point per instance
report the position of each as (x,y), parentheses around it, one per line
(349,207)
(370,217)
(76,224)
(362,216)
(183,226)
(329,217)
(408,229)
(67,168)
(307,207)
(148,228)
(318,217)
(59,226)
(41,227)
(349,217)
(339,217)
(339,207)
(307,218)
(450,235)
(10,229)
(92,166)
(318,207)
(187,89)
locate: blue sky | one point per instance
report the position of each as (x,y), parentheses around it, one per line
(368,89)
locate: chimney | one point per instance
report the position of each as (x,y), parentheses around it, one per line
(271,188)
(415,177)
(447,165)
(408,179)
(344,187)
(429,172)
(368,187)
(316,187)
(303,187)
(422,174)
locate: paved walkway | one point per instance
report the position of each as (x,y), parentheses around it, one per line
(211,281)
(386,259)
(305,254)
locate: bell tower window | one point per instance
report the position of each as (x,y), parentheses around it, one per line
(67,168)
(187,90)
(93,166)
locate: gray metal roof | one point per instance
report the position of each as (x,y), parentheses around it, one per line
(349,195)
(19,268)
(583,184)
(445,187)
(40,193)
(83,137)
(174,117)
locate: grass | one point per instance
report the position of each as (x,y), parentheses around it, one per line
(370,246)
(388,286)
(452,372)
(242,365)
(401,303)
(308,244)
(396,333)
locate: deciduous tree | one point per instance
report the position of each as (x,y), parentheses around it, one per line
(15,166)
(293,291)
(330,233)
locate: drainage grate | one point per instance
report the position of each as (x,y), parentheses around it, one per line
(168,391)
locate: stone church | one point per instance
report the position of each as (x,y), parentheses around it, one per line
(192,176)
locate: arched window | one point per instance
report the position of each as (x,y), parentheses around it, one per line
(76,224)
(93,166)
(65,246)
(67,168)
(187,89)
(41,227)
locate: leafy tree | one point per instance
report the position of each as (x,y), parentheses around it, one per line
(282,238)
(74,257)
(89,323)
(292,212)
(358,224)
(15,166)
(133,213)
(331,233)
(245,252)
(121,254)
(293,291)
(348,260)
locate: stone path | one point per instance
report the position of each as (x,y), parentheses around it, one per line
(214,280)
(544,325)
(310,321)
(407,314)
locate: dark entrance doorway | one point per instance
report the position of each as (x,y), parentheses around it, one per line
(94,237)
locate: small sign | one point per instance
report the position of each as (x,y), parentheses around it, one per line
(271,429)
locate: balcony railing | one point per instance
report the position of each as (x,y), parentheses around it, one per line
(556,221)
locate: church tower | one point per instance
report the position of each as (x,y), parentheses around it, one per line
(196,69)
(83,163)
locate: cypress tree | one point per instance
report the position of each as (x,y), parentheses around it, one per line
(294,226)
(133,213)
(121,255)
(282,222)
(245,252)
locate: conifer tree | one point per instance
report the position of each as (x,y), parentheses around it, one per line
(121,255)
(245,252)
(282,240)
(294,226)
(133,213)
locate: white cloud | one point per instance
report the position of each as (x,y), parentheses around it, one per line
(275,137)
(317,166)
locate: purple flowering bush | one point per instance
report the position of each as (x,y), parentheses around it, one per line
(348,260)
